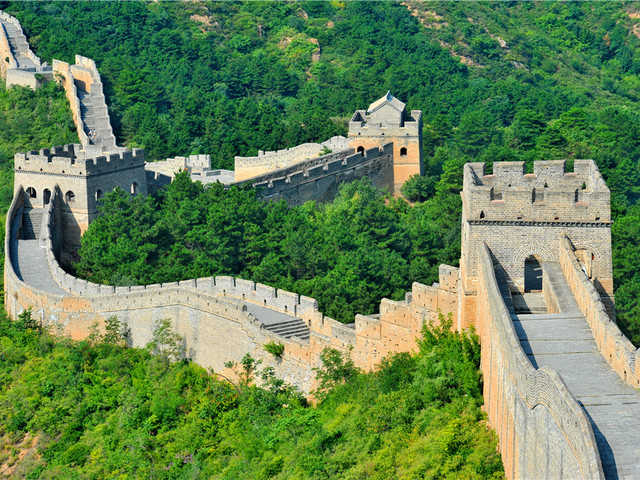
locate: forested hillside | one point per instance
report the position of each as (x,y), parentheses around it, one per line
(95,409)
(496,81)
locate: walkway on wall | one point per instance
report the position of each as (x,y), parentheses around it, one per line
(564,342)
(29,259)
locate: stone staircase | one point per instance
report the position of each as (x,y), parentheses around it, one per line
(529,303)
(290,328)
(19,46)
(95,116)
(31,222)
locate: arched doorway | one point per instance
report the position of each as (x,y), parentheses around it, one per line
(70,197)
(46,196)
(360,150)
(532,274)
(31,192)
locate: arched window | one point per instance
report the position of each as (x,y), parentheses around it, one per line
(46,196)
(70,196)
(134,188)
(98,195)
(360,149)
(403,152)
(31,192)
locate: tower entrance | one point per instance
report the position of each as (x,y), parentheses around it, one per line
(532,274)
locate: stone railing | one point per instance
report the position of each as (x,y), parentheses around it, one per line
(541,426)
(617,350)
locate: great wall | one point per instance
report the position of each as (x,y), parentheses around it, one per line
(535,279)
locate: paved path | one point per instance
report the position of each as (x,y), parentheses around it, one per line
(565,343)
(32,267)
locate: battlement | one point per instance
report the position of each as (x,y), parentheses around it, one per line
(70,159)
(404,124)
(550,194)
(334,167)
(271,161)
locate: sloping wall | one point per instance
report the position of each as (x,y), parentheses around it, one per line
(543,430)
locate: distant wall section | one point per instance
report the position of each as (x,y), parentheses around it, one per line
(319,179)
(266,162)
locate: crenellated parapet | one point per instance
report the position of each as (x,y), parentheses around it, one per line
(522,217)
(266,162)
(318,179)
(549,194)
(71,159)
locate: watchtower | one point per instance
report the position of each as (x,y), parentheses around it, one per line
(387,120)
(522,217)
(82,179)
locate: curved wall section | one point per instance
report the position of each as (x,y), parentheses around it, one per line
(542,429)
(220,318)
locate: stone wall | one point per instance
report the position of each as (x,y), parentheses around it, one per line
(8,60)
(543,430)
(211,313)
(266,162)
(616,349)
(63,72)
(320,178)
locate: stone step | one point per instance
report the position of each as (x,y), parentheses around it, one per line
(287,332)
(31,222)
(291,328)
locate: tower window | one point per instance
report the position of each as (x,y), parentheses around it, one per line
(360,149)
(403,152)
(70,196)
(31,192)
(98,194)
(134,188)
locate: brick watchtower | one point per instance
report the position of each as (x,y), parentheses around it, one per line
(386,120)
(522,218)
(83,180)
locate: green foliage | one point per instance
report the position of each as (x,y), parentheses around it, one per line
(166,345)
(274,348)
(98,410)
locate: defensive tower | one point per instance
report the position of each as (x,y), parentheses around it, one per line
(387,120)
(523,217)
(82,179)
